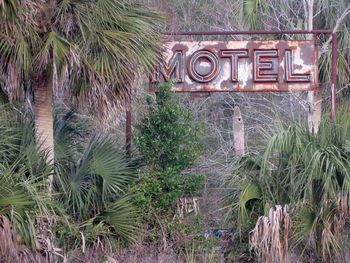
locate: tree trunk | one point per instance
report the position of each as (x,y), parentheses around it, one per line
(44,118)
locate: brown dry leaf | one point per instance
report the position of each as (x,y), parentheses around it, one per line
(269,238)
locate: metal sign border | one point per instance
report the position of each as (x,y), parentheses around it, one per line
(282,32)
(259,32)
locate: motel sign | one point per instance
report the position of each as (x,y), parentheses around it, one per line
(222,66)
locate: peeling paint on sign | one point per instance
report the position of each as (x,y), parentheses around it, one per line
(214,66)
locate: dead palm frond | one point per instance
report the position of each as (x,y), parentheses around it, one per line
(308,173)
(94,49)
(270,237)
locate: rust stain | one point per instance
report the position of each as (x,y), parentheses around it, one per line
(220,66)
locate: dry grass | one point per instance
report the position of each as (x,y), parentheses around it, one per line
(12,249)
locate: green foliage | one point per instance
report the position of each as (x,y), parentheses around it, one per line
(309,172)
(159,191)
(23,174)
(201,249)
(75,235)
(166,138)
(168,144)
(89,199)
(91,47)
(70,134)
(95,184)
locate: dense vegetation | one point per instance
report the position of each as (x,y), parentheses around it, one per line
(299,186)
(168,144)
(69,192)
(88,200)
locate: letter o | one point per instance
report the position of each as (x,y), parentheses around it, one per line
(199,76)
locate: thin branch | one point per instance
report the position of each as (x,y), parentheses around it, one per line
(335,29)
(326,98)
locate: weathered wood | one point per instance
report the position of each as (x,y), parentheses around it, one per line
(238,132)
(314,97)
(315,110)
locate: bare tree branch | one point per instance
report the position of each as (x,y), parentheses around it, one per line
(335,29)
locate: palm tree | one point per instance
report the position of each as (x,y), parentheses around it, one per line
(91,188)
(90,48)
(302,182)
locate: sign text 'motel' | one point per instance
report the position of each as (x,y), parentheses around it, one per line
(272,65)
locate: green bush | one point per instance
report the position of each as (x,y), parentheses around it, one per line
(166,138)
(159,191)
(306,171)
(168,144)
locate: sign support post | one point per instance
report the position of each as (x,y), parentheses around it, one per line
(203,66)
(334,74)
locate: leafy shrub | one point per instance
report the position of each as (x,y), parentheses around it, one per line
(166,138)
(94,186)
(306,172)
(159,191)
(168,144)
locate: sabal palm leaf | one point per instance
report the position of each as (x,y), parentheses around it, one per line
(308,172)
(101,41)
(18,145)
(22,198)
(94,186)
(87,51)
(22,193)
(123,217)
(99,177)
(110,166)
(69,135)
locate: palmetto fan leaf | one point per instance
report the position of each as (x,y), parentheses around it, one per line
(309,173)
(111,166)
(21,200)
(123,217)
(99,177)
(94,187)
(23,174)
(88,51)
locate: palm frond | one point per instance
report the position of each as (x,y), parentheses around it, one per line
(99,177)
(306,171)
(123,218)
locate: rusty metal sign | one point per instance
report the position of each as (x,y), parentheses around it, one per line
(222,66)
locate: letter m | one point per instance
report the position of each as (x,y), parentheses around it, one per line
(175,66)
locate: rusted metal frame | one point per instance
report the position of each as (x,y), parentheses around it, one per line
(258,32)
(315,32)
(276,32)
(334,74)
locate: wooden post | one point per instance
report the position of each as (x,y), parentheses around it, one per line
(238,132)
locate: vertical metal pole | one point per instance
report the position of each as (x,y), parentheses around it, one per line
(128,128)
(334,74)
